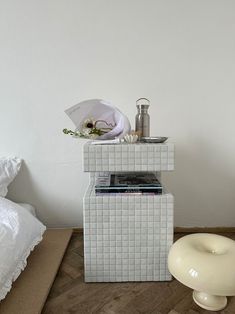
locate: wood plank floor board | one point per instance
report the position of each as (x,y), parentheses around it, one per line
(121,296)
(176,295)
(69,293)
(100,300)
(148,300)
(73,265)
(186,304)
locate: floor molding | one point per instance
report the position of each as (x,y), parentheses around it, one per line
(78,230)
(189,230)
(204,229)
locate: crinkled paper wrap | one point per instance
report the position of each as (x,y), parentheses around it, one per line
(98,109)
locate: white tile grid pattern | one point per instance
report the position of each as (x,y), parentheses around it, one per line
(127,238)
(128,157)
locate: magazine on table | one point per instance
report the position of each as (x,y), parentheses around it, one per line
(131,183)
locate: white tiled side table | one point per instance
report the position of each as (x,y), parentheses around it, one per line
(127,238)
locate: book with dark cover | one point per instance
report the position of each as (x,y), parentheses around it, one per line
(139,183)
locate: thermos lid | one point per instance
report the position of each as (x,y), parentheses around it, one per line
(142,103)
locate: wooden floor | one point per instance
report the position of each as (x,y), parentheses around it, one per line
(69,293)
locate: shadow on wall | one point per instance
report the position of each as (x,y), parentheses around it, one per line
(22,183)
(47,188)
(203,184)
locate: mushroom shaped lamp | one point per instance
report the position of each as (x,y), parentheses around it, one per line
(206,263)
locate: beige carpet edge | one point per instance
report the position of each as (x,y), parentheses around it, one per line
(67,233)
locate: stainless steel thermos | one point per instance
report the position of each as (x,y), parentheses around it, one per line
(142,119)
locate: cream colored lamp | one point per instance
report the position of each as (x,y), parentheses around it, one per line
(206,263)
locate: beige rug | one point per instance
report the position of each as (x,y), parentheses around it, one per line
(30,290)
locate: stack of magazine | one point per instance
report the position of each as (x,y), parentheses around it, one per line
(128,183)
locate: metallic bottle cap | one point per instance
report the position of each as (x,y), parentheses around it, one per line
(142,103)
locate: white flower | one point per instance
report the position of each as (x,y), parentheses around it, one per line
(89,123)
(85,131)
(93,136)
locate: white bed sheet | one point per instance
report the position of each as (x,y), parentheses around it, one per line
(20,232)
(29,208)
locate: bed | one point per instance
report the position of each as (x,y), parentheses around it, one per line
(30,255)
(31,288)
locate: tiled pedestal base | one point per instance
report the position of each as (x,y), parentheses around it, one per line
(127,238)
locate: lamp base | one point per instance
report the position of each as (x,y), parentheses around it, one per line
(208,301)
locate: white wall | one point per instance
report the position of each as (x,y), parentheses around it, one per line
(179,54)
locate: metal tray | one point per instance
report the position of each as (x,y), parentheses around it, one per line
(153,139)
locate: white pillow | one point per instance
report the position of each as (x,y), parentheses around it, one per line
(9,167)
(20,232)
(29,208)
